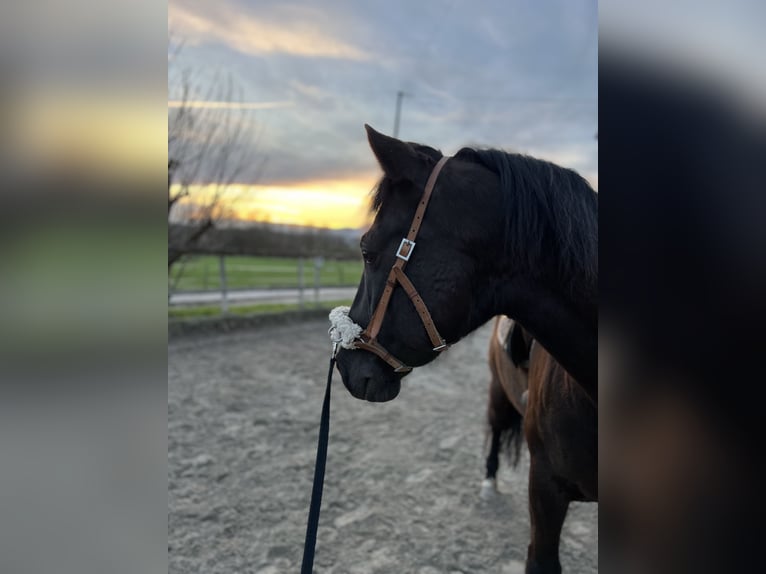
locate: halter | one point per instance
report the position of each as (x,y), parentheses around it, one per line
(367,340)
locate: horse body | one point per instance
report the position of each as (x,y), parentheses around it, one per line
(561,421)
(560,426)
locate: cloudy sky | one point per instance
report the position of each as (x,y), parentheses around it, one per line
(519,75)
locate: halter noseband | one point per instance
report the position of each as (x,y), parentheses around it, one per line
(367,340)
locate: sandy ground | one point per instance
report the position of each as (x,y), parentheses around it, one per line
(402,485)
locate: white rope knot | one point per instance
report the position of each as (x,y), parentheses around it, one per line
(343,330)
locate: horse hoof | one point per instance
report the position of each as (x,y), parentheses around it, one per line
(488,488)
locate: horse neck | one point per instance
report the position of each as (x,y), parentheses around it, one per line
(566,328)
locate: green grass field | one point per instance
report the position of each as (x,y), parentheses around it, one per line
(201,273)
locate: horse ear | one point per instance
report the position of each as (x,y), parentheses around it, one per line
(398,159)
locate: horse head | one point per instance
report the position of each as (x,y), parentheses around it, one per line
(444,265)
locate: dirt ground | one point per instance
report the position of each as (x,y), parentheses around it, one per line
(402,484)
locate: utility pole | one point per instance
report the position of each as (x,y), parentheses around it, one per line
(397,117)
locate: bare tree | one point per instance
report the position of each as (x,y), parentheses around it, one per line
(208,137)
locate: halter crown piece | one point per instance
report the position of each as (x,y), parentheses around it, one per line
(347,334)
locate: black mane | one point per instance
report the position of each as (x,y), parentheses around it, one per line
(547,207)
(550,210)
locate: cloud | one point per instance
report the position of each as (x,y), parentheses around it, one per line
(495,74)
(247,34)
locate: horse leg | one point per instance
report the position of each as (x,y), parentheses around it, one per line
(489,485)
(548,504)
(504,423)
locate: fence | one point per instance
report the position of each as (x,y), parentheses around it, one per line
(209,284)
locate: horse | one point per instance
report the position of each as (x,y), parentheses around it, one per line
(560,425)
(509,349)
(482,233)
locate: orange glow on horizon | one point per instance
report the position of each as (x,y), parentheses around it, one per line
(332,204)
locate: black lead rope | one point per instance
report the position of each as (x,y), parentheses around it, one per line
(316,490)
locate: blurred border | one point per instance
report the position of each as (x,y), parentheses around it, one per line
(83,295)
(682,273)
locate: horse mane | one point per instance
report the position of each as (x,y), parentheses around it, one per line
(550,211)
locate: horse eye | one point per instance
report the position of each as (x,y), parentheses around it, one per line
(369,257)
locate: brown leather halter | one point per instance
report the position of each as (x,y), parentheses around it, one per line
(367,340)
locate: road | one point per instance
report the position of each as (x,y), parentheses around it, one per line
(262,296)
(403,478)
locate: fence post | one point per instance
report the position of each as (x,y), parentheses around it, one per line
(318,262)
(300,283)
(224,299)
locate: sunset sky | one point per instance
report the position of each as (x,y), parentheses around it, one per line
(521,76)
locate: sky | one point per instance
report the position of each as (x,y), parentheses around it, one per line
(519,75)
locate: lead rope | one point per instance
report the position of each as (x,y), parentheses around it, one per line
(343,331)
(316,490)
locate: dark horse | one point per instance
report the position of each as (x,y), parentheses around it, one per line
(504,234)
(509,349)
(559,423)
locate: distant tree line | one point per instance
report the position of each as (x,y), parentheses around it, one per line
(263,241)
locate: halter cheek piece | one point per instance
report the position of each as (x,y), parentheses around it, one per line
(367,339)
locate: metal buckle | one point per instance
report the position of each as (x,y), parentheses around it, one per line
(403,369)
(411,245)
(441,347)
